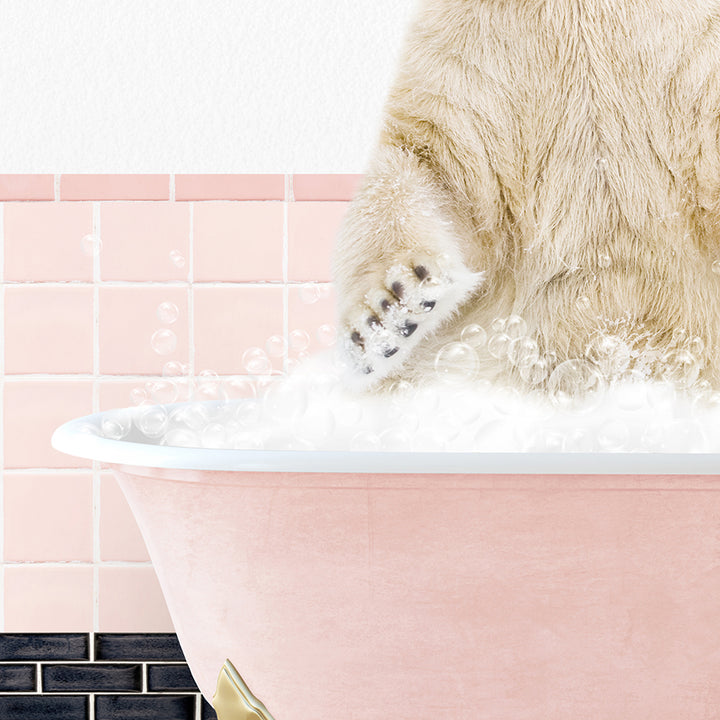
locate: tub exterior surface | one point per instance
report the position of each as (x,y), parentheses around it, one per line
(361,597)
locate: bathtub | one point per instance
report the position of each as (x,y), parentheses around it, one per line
(413,586)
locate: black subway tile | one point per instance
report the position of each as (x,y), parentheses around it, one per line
(156,646)
(207,712)
(17,678)
(92,678)
(39,707)
(44,646)
(144,707)
(170,677)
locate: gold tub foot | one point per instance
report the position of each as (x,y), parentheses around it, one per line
(233,699)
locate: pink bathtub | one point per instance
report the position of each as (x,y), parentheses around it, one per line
(411,586)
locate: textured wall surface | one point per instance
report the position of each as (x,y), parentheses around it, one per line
(87,263)
(195,85)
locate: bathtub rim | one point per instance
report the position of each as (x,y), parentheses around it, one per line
(73,438)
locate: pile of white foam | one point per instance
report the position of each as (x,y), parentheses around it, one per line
(312,409)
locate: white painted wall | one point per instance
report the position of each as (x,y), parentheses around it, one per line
(194,85)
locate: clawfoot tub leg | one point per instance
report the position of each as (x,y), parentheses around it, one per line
(233,699)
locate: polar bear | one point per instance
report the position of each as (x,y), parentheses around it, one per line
(551,160)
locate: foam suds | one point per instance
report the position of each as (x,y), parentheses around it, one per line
(312,409)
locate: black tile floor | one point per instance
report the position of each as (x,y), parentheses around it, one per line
(63,676)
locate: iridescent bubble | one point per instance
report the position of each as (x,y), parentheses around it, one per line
(515,327)
(276,346)
(609,353)
(534,371)
(498,325)
(681,368)
(248,413)
(474,335)
(715,267)
(456,363)
(299,340)
(498,345)
(152,421)
(309,293)
(163,341)
(209,386)
(177,258)
(256,362)
(523,350)
(326,335)
(575,385)
(168,312)
(193,416)
(116,424)
(91,245)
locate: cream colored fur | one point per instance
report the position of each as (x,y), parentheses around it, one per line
(533,153)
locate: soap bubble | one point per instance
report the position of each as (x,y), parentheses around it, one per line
(631,394)
(696,346)
(456,363)
(174,368)
(515,327)
(523,350)
(498,325)
(534,371)
(116,424)
(213,436)
(138,396)
(498,345)
(168,312)
(180,437)
(575,385)
(681,368)
(604,260)
(309,293)
(239,387)
(716,267)
(91,245)
(609,353)
(396,439)
(326,335)
(613,436)
(685,436)
(163,341)
(316,425)
(152,421)
(579,440)
(474,335)
(583,303)
(248,413)
(276,346)
(247,441)
(161,392)
(256,362)
(193,416)
(209,386)
(365,441)
(286,400)
(177,258)
(299,340)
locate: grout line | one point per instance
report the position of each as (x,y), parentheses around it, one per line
(2,413)
(191,294)
(91,706)
(285,263)
(172,187)
(38,679)
(97,232)
(79,563)
(56,186)
(161,283)
(144,677)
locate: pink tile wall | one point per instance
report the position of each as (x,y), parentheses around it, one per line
(86,261)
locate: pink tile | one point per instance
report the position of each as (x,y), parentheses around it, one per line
(27,187)
(115,187)
(120,537)
(48,517)
(48,599)
(139,238)
(238,241)
(326,187)
(311,307)
(128,323)
(312,230)
(32,411)
(131,601)
(44,241)
(48,329)
(229,187)
(229,320)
